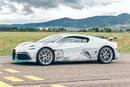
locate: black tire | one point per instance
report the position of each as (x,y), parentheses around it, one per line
(105,55)
(45,56)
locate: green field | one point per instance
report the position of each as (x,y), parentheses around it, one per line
(8,40)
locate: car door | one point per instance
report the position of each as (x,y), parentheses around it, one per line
(86,48)
(72,47)
(89,52)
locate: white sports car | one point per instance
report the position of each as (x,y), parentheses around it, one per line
(66,47)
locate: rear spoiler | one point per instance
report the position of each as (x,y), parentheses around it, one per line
(112,38)
(109,38)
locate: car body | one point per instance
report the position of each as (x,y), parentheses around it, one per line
(65,47)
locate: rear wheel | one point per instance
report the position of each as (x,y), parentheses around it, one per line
(45,56)
(105,55)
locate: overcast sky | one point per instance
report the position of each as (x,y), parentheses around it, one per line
(33,11)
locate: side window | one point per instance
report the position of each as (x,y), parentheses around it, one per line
(74,39)
(71,40)
(66,40)
(85,40)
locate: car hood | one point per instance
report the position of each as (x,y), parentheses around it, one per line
(26,44)
(32,44)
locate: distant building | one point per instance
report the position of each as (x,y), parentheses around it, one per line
(40,28)
(46,28)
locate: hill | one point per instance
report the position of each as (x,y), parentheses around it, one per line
(121,21)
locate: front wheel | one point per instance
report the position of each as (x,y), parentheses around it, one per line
(105,55)
(45,56)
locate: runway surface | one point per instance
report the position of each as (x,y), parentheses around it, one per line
(76,74)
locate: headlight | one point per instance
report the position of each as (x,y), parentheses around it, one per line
(32,47)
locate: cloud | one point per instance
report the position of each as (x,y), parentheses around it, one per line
(48,4)
(34,11)
(27,9)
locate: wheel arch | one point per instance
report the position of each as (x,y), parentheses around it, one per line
(109,47)
(43,48)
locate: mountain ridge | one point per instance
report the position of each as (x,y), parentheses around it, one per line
(114,22)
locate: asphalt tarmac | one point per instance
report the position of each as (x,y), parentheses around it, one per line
(76,74)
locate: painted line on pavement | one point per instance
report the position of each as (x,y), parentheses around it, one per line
(57,85)
(11,70)
(13,79)
(33,77)
(2,84)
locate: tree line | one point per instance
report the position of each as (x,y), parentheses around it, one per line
(16,29)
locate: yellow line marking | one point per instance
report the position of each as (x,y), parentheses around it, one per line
(35,86)
(2,84)
(57,85)
(1,72)
(11,70)
(33,77)
(13,79)
(0,65)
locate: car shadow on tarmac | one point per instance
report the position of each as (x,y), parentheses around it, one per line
(56,63)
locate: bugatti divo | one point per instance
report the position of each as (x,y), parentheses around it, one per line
(65,48)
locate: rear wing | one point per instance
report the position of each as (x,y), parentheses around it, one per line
(112,38)
(109,38)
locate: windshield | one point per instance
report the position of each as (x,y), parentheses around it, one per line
(49,39)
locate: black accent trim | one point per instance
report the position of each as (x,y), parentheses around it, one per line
(14,54)
(23,56)
(20,55)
